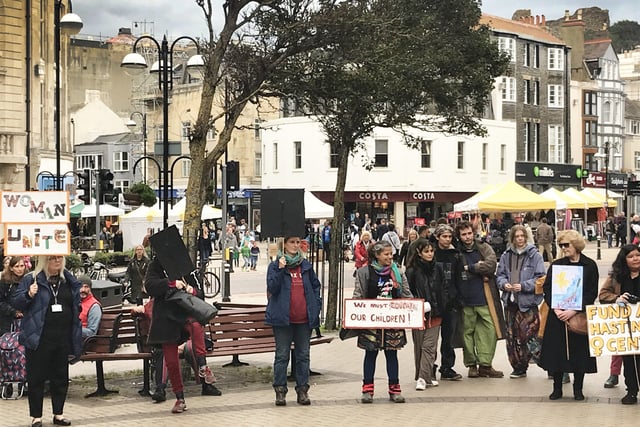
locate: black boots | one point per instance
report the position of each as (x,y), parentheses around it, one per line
(281,394)
(303,395)
(210,390)
(578,380)
(557,386)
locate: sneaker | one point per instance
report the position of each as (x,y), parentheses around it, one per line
(421,384)
(629,399)
(205,373)
(565,378)
(518,374)
(366,398)
(473,372)
(159,395)
(489,372)
(611,382)
(396,397)
(210,390)
(433,383)
(179,407)
(450,375)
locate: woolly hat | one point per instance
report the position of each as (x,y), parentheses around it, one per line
(443,228)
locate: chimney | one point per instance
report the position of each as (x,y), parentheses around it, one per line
(566,14)
(543,21)
(579,14)
(537,19)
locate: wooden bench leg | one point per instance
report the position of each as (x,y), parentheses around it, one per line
(146,374)
(101,390)
(235,361)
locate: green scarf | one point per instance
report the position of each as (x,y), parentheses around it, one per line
(392,271)
(293,261)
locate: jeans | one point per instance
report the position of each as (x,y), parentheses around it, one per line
(447,330)
(300,335)
(370,366)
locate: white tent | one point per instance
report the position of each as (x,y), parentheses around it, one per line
(105,210)
(177,212)
(137,223)
(315,208)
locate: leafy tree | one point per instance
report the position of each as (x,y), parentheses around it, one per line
(412,64)
(625,35)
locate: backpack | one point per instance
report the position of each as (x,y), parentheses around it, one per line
(13,366)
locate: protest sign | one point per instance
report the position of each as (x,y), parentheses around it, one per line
(566,287)
(34,207)
(614,329)
(36,239)
(383,314)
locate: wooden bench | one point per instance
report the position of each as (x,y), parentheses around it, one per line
(240,329)
(117,327)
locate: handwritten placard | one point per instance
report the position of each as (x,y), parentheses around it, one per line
(36,239)
(566,287)
(613,329)
(34,207)
(383,314)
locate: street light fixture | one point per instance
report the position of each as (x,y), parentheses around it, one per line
(605,156)
(131,124)
(69,24)
(135,64)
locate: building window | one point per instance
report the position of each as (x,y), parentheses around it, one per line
(425,154)
(211,134)
(507,45)
(297,155)
(503,157)
(121,184)
(460,154)
(591,133)
(382,153)
(616,108)
(556,144)
(531,92)
(186,131)
(535,56)
(186,167)
(636,159)
(508,89)
(536,93)
(526,60)
(531,141)
(89,161)
(590,104)
(257,164)
(485,154)
(333,156)
(633,127)
(555,59)
(257,130)
(159,134)
(121,161)
(590,162)
(606,112)
(275,156)
(556,96)
(527,91)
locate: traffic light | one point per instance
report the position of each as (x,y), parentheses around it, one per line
(106,185)
(233,176)
(85,186)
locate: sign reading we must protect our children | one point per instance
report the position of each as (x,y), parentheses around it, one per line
(614,329)
(383,314)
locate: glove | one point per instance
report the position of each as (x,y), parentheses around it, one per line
(427,307)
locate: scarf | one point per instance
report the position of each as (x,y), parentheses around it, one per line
(293,261)
(388,270)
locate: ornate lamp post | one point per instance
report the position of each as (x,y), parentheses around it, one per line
(605,156)
(131,124)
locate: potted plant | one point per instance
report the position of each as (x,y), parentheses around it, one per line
(140,193)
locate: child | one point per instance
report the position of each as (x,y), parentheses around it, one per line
(255,252)
(245,251)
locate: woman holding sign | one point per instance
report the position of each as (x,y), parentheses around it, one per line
(623,287)
(381,279)
(562,349)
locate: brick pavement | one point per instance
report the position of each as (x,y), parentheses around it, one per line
(335,393)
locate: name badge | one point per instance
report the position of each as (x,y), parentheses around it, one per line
(56,308)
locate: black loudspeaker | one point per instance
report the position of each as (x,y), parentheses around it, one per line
(172,253)
(282,213)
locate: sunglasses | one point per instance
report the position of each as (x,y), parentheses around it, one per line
(564,245)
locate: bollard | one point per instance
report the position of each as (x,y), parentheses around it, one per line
(598,255)
(226,288)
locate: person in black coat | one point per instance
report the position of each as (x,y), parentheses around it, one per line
(563,350)
(11,277)
(118,242)
(171,326)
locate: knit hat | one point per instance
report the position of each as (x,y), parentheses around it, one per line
(443,228)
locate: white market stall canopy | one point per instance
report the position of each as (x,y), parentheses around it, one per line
(315,208)
(177,211)
(137,223)
(105,210)
(505,197)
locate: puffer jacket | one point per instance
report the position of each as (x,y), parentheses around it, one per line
(7,312)
(35,310)
(279,293)
(532,269)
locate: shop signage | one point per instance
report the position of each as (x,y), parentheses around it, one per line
(633,188)
(396,196)
(548,173)
(617,181)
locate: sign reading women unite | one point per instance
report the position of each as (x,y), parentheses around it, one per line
(383,314)
(35,222)
(614,329)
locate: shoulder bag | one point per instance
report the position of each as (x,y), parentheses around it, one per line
(578,323)
(200,310)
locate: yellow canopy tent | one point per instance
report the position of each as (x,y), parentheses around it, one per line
(612,203)
(587,202)
(506,197)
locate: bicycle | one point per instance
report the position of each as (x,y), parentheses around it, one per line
(209,281)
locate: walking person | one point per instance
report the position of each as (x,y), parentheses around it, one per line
(293,311)
(361,251)
(544,235)
(403,258)
(392,237)
(51,333)
(255,253)
(426,281)
(136,271)
(622,285)
(562,349)
(11,277)
(381,278)
(519,268)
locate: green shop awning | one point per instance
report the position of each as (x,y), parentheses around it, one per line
(74,212)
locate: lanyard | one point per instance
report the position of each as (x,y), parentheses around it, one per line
(54,287)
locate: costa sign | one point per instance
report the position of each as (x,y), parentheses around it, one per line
(373,196)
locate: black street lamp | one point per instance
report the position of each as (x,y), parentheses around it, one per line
(605,156)
(71,24)
(136,63)
(131,124)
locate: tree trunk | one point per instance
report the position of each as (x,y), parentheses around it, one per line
(335,249)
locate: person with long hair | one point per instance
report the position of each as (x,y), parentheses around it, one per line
(427,282)
(518,270)
(405,257)
(293,311)
(361,254)
(562,349)
(136,271)
(622,284)
(51,332)
(381,278)
(11,276)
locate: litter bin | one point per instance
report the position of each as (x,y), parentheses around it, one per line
(108,293)
(591,233)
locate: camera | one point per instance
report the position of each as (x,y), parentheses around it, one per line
(633,299)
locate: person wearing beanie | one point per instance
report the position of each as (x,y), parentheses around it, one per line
(91,312)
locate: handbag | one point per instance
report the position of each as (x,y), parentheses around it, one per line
(200,310)
(578,323)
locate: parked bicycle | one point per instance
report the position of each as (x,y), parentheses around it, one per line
(207,280)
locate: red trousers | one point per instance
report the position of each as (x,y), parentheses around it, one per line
(171,359)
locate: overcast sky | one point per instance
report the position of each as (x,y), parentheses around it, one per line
(183,17)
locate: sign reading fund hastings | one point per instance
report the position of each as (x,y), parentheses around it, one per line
(548,173)
(35,222)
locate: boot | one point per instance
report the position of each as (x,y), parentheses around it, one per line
(210,390)
(577,386)
(489,372)
(367,393)
(395,393)
(281,394)
(473,371)
(611,382)
(303,396)
(160,395)
(557,386)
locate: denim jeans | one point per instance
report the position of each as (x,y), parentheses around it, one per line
(299,334)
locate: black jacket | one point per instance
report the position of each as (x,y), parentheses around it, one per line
(451,262)
(7,312)
(426,281)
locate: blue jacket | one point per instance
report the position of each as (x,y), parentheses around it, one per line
(532,268)
(35,310)
(279,292)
